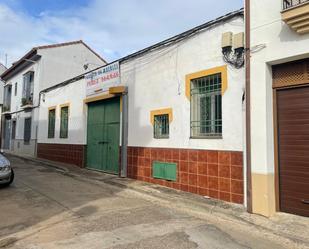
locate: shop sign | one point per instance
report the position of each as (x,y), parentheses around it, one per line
(102,79)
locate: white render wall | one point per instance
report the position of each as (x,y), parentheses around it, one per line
(55,66)
(61,63)
(74,94)
(2,69)
(157,80)
(16,101)
(281,44)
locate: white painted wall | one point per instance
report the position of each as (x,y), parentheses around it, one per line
(281,44)
(74,94)
(55,66)
(61,63)
(2,70)
(157,80)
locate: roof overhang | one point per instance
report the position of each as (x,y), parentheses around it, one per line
(30,58)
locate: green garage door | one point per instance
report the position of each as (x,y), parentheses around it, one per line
(103,135)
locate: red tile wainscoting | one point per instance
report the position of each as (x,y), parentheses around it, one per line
(65,153)
(218,174)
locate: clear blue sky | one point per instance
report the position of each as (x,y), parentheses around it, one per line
(113,28)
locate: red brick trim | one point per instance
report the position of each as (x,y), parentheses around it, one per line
(65,153)
(218,174)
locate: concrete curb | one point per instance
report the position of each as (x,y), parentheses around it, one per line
(37,160)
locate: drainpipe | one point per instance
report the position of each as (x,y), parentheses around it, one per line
(248,108)
(124,138)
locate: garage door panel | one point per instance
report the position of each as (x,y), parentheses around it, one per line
(295,174)
(294,207)
(288,144)
(294,184)
(293,158)
(292,130)
(298,165)
(294,138)
(295,211)
(291,111)
(293,149)
(288,108)
(298,197)
(285,96)
(294,201)
(295,121)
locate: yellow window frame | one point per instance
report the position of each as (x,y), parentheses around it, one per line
(211,71)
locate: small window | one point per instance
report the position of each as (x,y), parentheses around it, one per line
(64,122)
(161,126)
(51,123)
(27,131)
(206,107)
(14,129)
(15,90)
(27,96)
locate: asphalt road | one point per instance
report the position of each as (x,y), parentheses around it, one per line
(47,208)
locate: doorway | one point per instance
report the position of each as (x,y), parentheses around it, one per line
(103,135)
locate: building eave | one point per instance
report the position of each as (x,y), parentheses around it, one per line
(20,65)
(33,55)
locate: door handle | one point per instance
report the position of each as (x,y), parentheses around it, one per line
(103,142)
(305,202)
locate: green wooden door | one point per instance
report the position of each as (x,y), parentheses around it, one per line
(103,138)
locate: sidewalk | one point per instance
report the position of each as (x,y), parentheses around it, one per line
(294,229)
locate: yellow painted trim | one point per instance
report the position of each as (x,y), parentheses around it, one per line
(117,90)
(64,105)
(100,97)
(168,111)
(215,70)
(263,194)
(52,108)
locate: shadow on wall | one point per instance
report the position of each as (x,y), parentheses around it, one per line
(135,114)
(289,35)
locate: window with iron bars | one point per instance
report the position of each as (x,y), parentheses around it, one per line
(161,126)
(206,107)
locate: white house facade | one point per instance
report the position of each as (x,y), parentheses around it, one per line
(173,115)
(279,77)
(40,68)
(2,70)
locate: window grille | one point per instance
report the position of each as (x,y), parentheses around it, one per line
(206,107)
(161,126)
(64,122)
(51,123)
